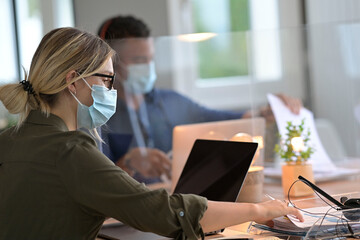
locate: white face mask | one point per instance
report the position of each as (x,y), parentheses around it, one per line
(141,78)
(103,107)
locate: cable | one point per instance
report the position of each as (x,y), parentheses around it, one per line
(342,227)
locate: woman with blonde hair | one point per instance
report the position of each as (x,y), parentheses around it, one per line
(54,183)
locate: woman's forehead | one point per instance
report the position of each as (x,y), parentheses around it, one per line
(107,67)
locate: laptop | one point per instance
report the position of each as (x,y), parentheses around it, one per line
(185,135)
(214,169)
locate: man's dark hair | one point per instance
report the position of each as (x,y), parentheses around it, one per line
(123,27)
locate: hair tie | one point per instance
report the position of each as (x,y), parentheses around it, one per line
(27,86)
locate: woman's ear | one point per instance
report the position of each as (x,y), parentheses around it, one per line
(69,79)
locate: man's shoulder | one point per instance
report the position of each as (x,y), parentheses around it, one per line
(169,93)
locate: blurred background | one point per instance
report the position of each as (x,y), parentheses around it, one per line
(224,54)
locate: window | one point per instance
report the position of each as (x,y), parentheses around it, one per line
(228,50)
(37,17)
(22,24)
(29,20)
(254,50)
(8,62)
(33,18)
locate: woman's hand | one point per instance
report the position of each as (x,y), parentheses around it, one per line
(274,208)
(149,162)
(224,214)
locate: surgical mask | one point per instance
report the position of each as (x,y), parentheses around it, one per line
(103,107)
(141,77)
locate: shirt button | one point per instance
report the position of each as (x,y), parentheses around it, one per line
(181,213)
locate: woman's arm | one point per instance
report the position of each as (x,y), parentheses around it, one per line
(224,214)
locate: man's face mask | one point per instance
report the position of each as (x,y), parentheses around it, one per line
(141,78)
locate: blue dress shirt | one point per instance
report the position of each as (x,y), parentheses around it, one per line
(152,124)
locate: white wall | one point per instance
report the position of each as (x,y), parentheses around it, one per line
(332,11)
(89,14)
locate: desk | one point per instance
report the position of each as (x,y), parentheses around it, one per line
(352,184)
(274,189)
(336,188)
(340,185)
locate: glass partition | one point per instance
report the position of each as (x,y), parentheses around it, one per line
(235,82)
(207,77)
(222,76)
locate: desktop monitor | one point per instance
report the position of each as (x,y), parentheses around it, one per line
(184,137)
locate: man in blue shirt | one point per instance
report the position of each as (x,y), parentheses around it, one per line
(139,134)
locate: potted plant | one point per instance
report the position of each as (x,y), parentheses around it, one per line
(295,150)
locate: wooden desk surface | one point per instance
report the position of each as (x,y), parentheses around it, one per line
(333,187)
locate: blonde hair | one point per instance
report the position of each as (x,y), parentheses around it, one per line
(59,52)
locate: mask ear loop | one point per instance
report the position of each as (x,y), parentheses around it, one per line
(87,84)
(75,91)
(75,97)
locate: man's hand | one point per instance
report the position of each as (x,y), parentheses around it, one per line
(149,162)
(294,104)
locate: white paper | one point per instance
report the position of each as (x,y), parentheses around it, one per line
(320,220)
(320,160)
(314,215)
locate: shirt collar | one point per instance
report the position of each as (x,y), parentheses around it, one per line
(40,118)
(151,96)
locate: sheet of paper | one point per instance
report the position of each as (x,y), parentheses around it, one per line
(325,215)
(320,159)
(321,221)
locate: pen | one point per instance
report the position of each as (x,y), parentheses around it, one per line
(267,195)
(272,198)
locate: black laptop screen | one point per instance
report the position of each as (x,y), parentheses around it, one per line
(216,169)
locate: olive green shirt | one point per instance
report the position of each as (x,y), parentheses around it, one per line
(56,184)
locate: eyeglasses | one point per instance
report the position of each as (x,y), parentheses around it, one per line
(109,81)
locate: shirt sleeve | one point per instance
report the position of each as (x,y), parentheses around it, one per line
(103,189)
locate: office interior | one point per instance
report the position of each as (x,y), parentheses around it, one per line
(225,55)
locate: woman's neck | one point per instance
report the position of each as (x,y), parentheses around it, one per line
(67,111)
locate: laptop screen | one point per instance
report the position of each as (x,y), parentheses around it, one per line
(216,169)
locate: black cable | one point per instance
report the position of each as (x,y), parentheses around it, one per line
(344,222)
(302,209)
